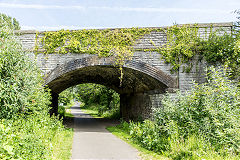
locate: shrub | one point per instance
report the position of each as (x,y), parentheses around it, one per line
(26,129)
(8,21)
(148,135)
(28,136)
(201,123)
(210,110)
(21,89)
(66,97)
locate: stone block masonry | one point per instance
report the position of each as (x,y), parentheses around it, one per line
(146,77)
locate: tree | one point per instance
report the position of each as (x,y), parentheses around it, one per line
(6,20)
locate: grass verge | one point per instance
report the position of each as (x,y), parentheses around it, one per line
(144,153)
(91,110)
(93,113)
(62,143)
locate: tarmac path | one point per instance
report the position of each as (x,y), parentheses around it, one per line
(91,141)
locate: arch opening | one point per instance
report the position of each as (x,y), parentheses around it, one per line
(96,99)
(138,79)
(133,81)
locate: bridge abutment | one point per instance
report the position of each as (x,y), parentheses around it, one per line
(135,106)
(54,103)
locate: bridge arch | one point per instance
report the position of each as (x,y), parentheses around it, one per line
(139,79)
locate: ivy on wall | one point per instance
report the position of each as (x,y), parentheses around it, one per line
(100,42)
(104,43)
(183,43)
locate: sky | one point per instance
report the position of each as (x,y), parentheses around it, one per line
(90,14)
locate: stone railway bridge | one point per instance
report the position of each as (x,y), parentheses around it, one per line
(146,76)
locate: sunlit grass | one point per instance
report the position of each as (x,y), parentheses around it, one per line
(62,144)
(92,110)
(92,113)
(144,153)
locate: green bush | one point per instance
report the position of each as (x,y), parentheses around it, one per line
(26,129)
(210,110)
(149,136)
(28,136)
(66,97)
(65,101)
(21,89)
(204,122)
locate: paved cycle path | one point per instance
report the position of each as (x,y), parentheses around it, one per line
(92,141)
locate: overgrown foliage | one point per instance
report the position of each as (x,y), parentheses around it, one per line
(104,43)
(26,129)
(183,44)
(224,50)
(67,96)
(8,21)
(237,23)
(202,123)
(21,90)
(97,97)
(28,136)
(66,100)
(217,46)
(101,42)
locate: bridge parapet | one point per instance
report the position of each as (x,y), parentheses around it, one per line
(147,76)
(148,41)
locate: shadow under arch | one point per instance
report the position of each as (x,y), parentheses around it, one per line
(138,78)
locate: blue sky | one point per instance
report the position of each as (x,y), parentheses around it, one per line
(78,14)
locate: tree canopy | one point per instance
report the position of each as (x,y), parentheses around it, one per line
(11,22)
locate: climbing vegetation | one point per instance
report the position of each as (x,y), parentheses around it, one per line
(183,44)
(101,42)
(104,43)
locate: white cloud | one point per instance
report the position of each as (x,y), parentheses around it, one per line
(163,10)
(38,6)
(132,9)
